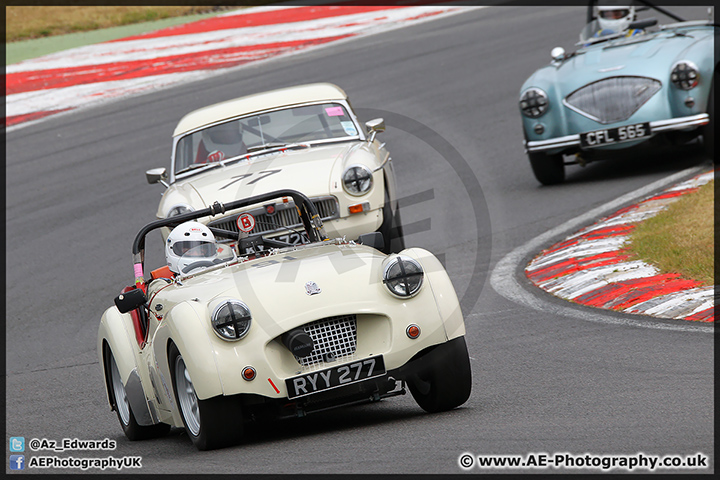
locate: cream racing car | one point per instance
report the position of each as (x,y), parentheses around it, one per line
(219,337)
(305,137)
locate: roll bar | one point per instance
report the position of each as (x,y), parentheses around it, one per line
(306,210)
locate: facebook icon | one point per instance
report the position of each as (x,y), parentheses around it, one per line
(17,462)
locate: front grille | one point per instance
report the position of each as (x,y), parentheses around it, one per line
(333,337)
(285,216)
(613,99)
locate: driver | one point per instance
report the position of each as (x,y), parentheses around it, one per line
(189,246)
(616,19)
(220,142)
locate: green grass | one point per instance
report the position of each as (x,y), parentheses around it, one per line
(680,239)
(31,22)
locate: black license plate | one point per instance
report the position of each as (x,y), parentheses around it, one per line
(615,135)
(334,377)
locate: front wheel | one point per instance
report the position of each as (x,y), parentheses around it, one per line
(213,423)
(548,169)
(133,430)
(444,380)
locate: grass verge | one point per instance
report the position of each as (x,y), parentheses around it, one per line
(29,22)
(681,238)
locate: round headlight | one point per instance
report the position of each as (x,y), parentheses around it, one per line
(685,75)
(533,102)
(357,179)
(231,320)
(179,209)
(403,276)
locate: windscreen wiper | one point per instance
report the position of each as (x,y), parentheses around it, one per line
(195,166)
(269,147)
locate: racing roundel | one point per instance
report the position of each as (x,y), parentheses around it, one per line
(245,222)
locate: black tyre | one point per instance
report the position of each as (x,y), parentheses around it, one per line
(548,169)
(391,229)
(133,431)
(708,131)
(213,423)
(444,381)
(398,241)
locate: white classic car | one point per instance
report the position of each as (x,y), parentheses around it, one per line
(305,137)
(284,331)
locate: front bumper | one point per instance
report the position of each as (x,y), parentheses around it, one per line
(658,126)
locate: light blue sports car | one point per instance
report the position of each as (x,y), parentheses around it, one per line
(619,89)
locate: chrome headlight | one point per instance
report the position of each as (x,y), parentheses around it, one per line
(685,75)
(231,320)
(357,179)
(533,102)
(179,209)
(403,276)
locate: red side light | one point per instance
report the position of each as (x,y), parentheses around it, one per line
(413,331)
(248,373)
(356,208)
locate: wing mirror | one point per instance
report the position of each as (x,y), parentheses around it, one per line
(557,53)
(156,175)
(373,127)
(129,301)
(373,239)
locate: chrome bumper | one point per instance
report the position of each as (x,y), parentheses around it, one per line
(658,126)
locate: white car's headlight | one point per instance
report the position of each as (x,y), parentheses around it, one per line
(357,179)
(685,75)
(179,209)
(231,320)
(403,276)
(533,102)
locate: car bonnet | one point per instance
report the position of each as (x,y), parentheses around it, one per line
(651,55)
(321,278)
(308,169)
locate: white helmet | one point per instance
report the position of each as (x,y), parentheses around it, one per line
(223,141)
(188,244)
(615,18)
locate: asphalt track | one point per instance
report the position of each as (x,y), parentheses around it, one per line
(543,382)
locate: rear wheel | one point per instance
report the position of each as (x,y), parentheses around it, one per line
(213,423)
(445,380)
(708,131)
(548,169)
(133,431)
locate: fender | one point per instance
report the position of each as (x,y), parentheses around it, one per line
(443,292)
(188,327)
(116,335)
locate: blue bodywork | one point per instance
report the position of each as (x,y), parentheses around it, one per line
(649,57)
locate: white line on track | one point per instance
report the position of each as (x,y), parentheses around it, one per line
(504,281)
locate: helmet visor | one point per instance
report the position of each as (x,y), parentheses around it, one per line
(194,248)
(615,14)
